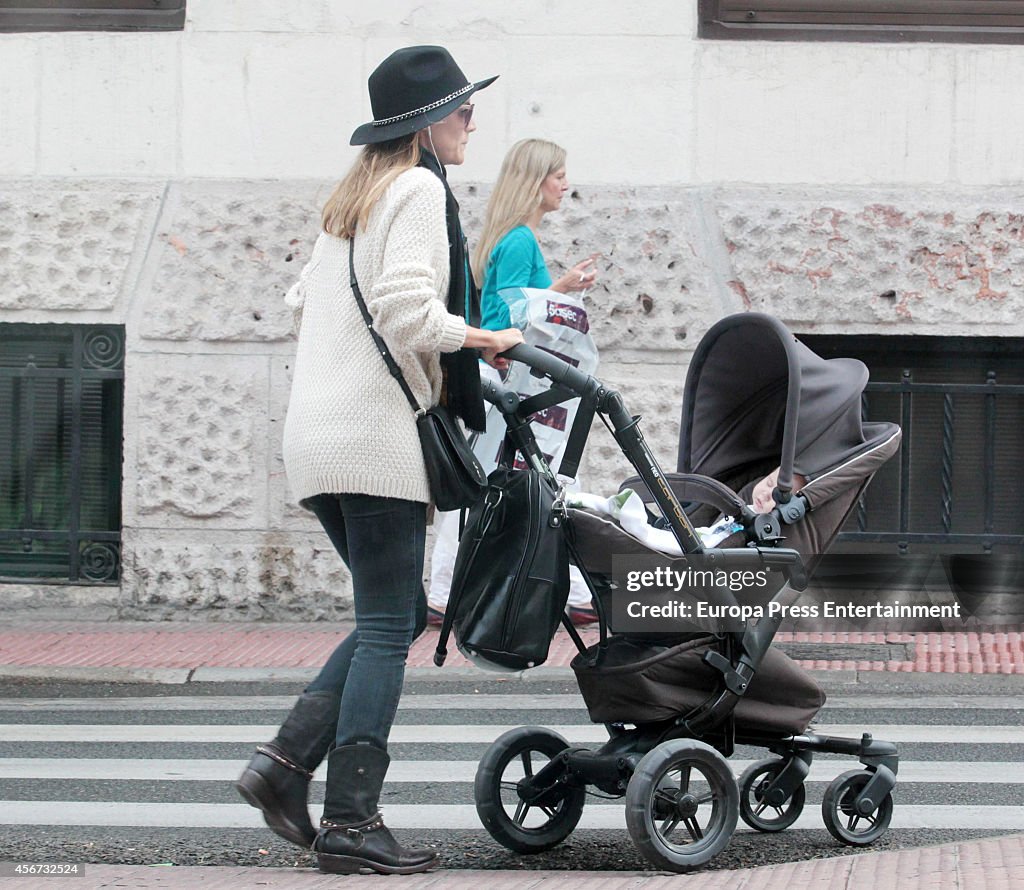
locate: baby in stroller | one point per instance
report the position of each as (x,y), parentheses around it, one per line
(676,706)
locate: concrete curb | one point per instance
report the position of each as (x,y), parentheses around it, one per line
(104,674)
(253,675)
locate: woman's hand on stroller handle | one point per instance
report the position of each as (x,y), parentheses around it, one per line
(493,343)
(566,380)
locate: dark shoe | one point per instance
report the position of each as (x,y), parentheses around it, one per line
(435,617)
(347,849)
(277,778)
(352,833)
(280,788)
(582,615)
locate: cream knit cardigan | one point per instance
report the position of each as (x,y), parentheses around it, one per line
(350,428)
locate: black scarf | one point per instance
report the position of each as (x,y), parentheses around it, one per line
(461,369)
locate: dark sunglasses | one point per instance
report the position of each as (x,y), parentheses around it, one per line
(465,113)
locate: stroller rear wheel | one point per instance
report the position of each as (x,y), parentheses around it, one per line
(844,823)
(755,810)
(519,812)
(682,804)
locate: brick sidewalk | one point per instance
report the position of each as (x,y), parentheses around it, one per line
(993,864)
(186,645)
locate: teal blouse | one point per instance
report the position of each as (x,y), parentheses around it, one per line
(516,261)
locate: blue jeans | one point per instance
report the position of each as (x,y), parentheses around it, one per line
(381,540)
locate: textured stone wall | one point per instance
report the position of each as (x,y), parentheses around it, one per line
(196,271)
(839,261)
(232,575)
(202,439)
(224,257)
(71,247)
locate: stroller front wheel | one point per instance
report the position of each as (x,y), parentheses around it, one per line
(843,821)
(682,804)
(757,812)
(523,809)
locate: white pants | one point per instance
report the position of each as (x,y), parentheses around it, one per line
(443,561)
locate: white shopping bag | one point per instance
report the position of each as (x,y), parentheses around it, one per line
(557,323)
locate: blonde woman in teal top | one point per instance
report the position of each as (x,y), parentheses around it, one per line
(532,183)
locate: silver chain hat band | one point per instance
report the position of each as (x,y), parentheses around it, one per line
(425,108)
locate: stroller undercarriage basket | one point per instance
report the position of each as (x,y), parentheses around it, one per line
(639,682)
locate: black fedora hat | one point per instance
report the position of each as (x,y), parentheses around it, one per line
(411,89)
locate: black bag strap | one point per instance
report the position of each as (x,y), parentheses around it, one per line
(573,453)
(543,400)
(458,585)
(382,347)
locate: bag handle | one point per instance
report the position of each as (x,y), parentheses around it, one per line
(378,340)
(455,594)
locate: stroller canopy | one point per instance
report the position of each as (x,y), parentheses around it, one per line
(755,393)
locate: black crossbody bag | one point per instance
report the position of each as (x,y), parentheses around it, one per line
(454,474)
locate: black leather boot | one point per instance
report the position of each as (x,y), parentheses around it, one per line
(277,778)
(352,834)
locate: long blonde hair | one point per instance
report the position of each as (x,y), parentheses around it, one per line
(375,169)
(516,195)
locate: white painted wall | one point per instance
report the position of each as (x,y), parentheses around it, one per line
(265,89)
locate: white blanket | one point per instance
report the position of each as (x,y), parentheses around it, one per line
(628,510)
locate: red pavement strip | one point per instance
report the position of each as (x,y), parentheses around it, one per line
(192,645)
(993,864)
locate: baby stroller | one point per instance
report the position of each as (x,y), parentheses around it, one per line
(676,706)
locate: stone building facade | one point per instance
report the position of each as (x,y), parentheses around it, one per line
(170,183)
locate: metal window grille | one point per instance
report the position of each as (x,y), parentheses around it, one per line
(61,407)
(92,15)
(940,21)
(956,485)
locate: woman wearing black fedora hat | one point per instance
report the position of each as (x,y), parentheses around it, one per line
(391,233)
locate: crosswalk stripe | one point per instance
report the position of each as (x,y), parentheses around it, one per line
(408,702)
(471,702)
(925,771)
(462,733)
(430,816)
(944,781)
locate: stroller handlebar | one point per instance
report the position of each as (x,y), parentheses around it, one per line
(504,399)
(551,366)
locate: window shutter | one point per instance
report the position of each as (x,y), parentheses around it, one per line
(92,15)
(61,425)
(935,20)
